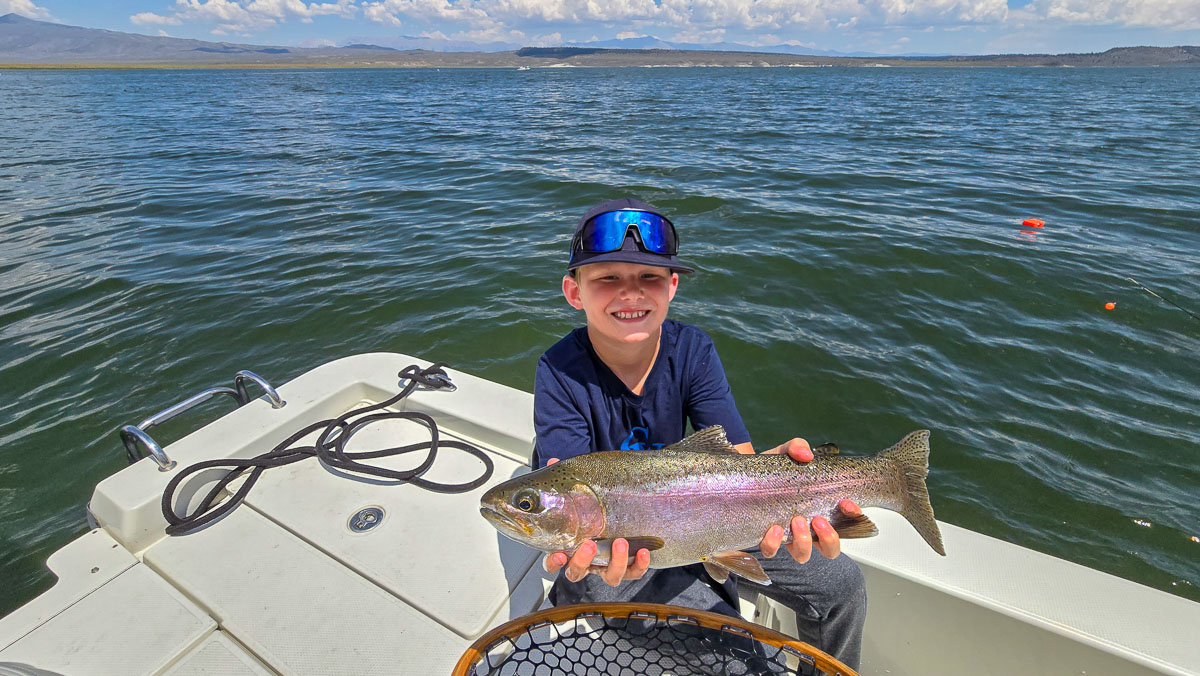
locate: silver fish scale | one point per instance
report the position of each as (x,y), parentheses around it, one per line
(703,503)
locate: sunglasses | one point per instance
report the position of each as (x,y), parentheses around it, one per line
(607,231)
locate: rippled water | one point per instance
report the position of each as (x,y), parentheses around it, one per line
(863,267)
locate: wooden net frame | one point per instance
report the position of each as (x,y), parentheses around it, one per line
(642,639)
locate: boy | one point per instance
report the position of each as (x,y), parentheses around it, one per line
(632,379)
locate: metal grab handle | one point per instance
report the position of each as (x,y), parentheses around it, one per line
(134,435)
(131,436)
(189,403)
(239,383)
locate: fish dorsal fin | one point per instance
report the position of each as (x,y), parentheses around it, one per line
(826,449)
(738,563)
(708,440)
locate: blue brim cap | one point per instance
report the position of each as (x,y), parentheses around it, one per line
(629,252)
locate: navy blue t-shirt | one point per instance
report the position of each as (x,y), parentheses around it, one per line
(581,406)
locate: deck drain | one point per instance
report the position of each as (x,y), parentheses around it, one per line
(365,519)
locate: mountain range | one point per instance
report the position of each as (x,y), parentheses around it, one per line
(27,42)
(435,44)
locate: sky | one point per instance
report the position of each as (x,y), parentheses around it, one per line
(876,26)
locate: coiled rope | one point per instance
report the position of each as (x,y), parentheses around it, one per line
(330,448)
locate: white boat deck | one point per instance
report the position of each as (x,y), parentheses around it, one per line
(282,585)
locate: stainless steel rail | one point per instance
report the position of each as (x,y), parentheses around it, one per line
(135,437)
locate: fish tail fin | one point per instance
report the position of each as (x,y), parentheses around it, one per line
(911,457)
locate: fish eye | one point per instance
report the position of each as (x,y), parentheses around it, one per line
(526,501)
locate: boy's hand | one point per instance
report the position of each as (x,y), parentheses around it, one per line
(797,449)
(580,564)
(617,570)
(801,546)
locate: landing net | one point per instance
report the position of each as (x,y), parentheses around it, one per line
(642,639)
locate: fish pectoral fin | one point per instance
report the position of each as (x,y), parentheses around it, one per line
(708,440)
(739,563)
(644,542)
(649,542)
(853,526)
(716,572)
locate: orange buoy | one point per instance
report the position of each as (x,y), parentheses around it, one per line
(1033,223)
(1110,306)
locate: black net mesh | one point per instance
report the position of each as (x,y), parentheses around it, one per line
(640,644)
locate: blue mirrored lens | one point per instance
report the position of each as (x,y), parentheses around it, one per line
(654,229)
(606,232)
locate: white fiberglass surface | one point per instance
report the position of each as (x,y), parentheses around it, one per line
(431,549)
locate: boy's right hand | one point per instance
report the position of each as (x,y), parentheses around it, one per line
(580,564)
(618,569)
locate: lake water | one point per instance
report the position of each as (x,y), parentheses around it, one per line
(862,264)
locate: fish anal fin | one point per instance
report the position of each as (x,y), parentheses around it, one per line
(708,440)
(739,563)
(853,526)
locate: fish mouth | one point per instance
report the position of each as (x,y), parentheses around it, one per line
(502,520)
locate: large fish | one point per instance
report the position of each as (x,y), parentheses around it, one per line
(701,501)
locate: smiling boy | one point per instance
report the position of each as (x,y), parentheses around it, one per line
(633,379)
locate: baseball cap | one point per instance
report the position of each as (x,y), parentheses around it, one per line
(632,250)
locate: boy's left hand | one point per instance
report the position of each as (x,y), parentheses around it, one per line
(828,543)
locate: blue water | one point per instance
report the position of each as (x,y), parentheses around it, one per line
(863,268)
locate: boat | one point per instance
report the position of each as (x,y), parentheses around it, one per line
(321,571)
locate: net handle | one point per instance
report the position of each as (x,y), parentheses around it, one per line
(662,613)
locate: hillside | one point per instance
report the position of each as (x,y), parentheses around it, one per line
(29,43)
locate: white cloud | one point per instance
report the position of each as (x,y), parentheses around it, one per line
(1172,14)
(625,35)
(390,11)
(150,18)
(547,40)
(769,39)
(246,16)
(25,8)
(775,15)
(163,34)
(690,20)
(696,37)
(493,34)
(512,13)
(691,16)
(375,11)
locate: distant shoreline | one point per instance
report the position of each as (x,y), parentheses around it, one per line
(28,44)
(557,65)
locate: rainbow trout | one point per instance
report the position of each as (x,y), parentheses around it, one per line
(701,501)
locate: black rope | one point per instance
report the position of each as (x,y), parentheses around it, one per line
(330,448)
